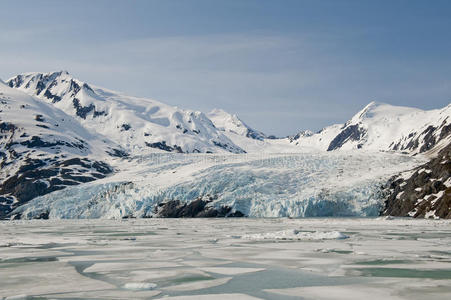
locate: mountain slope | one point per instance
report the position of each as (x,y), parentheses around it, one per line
(384,127)
(140,125)
(42,149)
(424,192)
(231,123)
(247,138)
(57,131)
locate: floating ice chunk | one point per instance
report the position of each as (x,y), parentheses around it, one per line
(18,297)
(231,270)
(337,292)
(123,266)
(215,296)
(199,285)
(140,286)
(294,234)
(386,218)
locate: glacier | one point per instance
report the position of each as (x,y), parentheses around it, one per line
(309,184)
(232,168)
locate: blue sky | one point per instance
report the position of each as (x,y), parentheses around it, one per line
(282,66)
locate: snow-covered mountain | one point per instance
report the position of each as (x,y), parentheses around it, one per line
(300,134)
(141,125)
(247,138)
(384,127)
(42,149)
(57,132)
(138,124)
(227,122)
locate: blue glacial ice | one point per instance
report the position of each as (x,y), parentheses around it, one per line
(284,185)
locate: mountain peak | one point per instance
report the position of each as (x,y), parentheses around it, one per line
(370,107)
(379,110)
(218,111)
(51,85)
(300,134)
(141,124)
(375,104)
(227,122)
(52,74)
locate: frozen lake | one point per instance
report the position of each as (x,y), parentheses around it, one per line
(226,259)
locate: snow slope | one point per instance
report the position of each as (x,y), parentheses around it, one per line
(231,123)
(42,149)
(384,127)
(141,125)
(247,138)
(138,124)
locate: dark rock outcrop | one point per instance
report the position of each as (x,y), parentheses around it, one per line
(37,177)
(198,208)
(37,142)
(423,141)
(225,146)
(117,153)
(163,146)
(83,111)
(425,193)
(349,133)
(255,135)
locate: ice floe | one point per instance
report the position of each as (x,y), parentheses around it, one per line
(140,286)
(294,234)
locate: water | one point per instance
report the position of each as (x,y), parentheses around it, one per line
(193,258)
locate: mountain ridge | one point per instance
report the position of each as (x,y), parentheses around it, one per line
(42,150)
(231,122)
(136,123)
(384,127)
(376,127)
(57,132)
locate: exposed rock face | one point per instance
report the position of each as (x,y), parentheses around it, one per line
(32,166)
(425,140)
(349,133)
(424,194)
(301,134)
(163,146)
(256,135)
(198,208)
(43,150)
(383,127)
(37,177)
